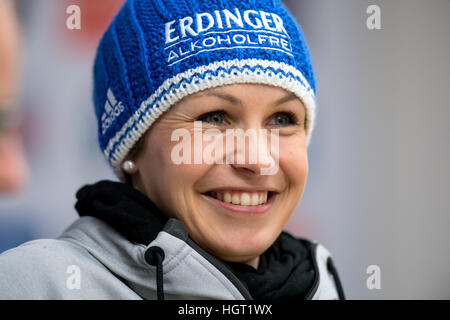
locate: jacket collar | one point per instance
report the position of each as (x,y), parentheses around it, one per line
(124,225)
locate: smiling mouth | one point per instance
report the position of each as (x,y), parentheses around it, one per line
(242,198)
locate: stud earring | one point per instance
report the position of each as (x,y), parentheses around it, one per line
(128,166)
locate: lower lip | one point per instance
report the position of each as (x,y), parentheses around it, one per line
(259,209)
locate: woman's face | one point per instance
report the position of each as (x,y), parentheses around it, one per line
(224,205)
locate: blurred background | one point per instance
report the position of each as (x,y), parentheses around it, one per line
(379,179)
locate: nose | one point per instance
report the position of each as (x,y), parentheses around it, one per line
(254,152)
(247,168)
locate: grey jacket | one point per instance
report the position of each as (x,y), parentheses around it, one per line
(90,260)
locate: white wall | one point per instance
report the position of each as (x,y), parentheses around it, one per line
(379,180)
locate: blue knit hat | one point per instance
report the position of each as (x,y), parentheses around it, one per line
(156,52)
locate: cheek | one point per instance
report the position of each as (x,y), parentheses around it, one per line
(294,162)
(169,185)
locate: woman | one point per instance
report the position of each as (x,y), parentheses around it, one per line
(178,86)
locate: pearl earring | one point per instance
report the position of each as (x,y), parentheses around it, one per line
(128,166)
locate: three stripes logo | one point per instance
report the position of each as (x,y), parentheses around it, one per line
(113,109)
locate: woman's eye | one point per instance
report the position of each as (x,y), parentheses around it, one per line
(284,119)
(215,117)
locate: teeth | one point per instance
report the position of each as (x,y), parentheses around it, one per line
(255,199)
(241,198)
(227,197)
(245,199)
(235,199)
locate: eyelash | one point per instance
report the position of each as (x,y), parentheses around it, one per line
(205,115)
(291,116)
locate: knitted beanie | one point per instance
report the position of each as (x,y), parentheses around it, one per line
(156,52)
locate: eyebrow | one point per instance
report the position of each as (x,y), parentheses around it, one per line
(234,100)
(289,97)
(224,96)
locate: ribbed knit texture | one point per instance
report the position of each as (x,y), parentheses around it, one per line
(156,52)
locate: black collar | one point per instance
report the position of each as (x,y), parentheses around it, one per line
(124,208)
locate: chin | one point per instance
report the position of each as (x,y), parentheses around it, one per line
(240,245)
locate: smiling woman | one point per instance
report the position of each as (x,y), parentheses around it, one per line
(210,226)
(230,229)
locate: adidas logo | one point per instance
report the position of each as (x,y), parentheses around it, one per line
(112,110)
